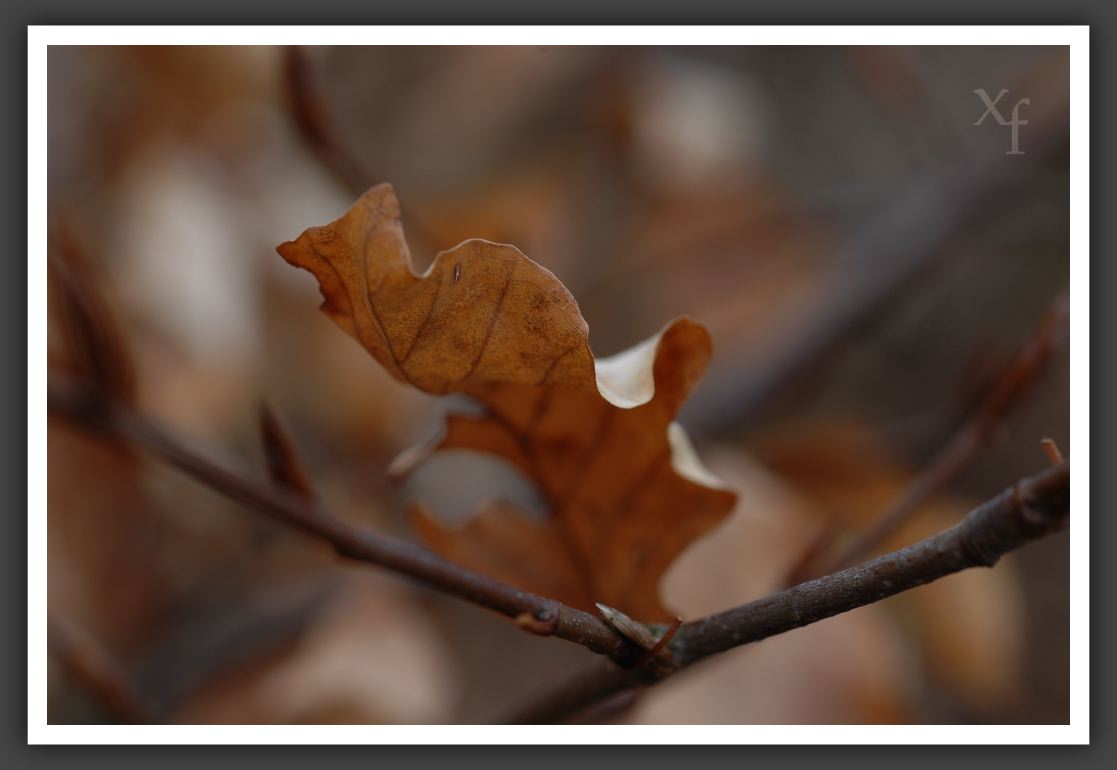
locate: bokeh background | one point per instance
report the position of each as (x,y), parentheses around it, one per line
(867,260)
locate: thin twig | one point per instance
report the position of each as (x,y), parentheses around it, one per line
(874,268)
(93,334)
(660,647)
(98,673)
(1014,382)
(1034,507)
(555,619)
(311,116)
(1051,449)
(284,466)
(573,698)
(820,543)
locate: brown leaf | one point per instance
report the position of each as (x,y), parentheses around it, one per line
(626,489)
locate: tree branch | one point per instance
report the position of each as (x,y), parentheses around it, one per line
(313,120)
(879,262)
(532,612)
(1013,383)
(1034,507)
(99,673)
(574,697)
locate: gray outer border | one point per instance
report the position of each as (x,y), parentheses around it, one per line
(20,13)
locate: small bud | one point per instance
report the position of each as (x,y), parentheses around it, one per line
(633,631)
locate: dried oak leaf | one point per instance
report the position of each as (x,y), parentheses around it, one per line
(627,493)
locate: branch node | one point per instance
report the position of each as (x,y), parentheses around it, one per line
(542,623)
(651,652)
(1041,508)
(660,652)
(637,633)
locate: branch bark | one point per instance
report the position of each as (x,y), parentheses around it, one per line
(1036,506)
(534,613)
(875,267)
(312,117)
(99,673)
(1013,383)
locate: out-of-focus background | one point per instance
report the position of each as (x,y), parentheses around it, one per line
(867,259)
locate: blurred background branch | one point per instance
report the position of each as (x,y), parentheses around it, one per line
(947,463)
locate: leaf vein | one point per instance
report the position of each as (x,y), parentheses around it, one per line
(492,324)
